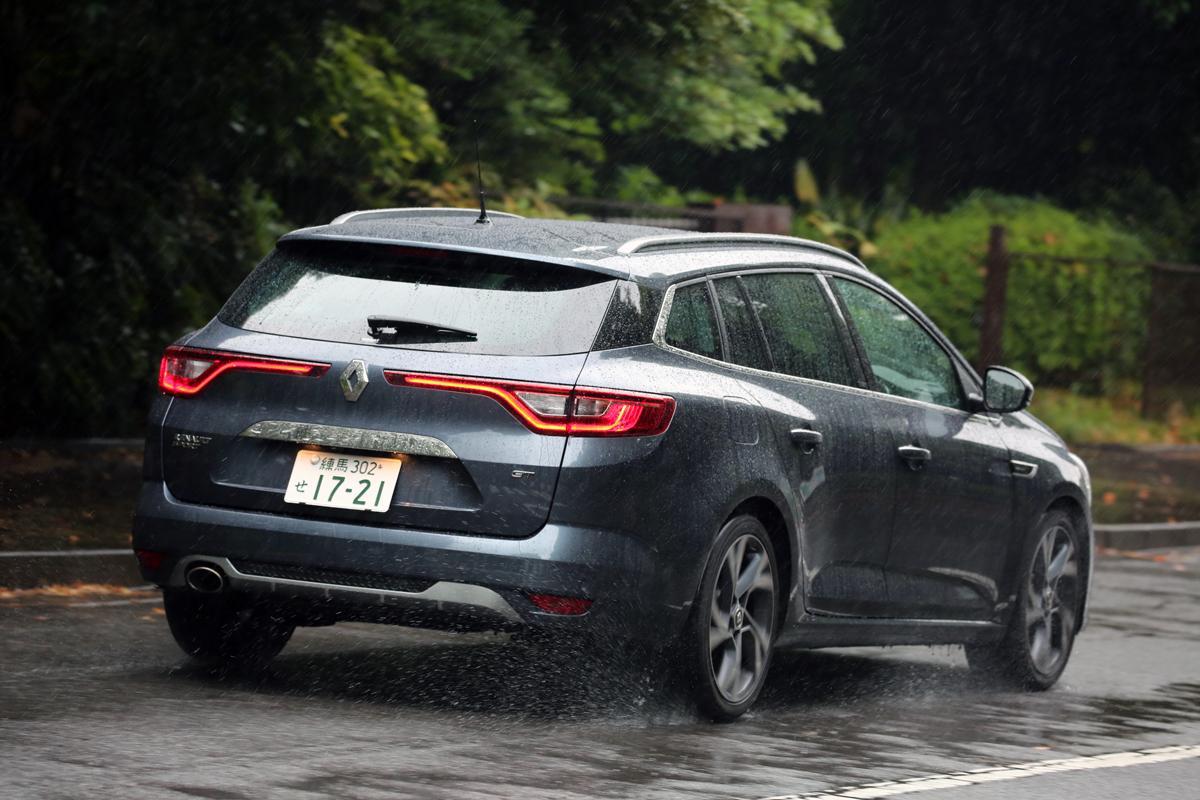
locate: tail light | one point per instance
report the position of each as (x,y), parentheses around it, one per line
(187,370)
(559,410)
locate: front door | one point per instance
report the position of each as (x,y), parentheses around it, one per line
(952,528)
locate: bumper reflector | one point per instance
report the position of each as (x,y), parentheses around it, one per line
(556,604)
(149,559)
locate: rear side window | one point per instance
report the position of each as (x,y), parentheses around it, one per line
(327,291)
(692,325)
(799,325)
(745,342)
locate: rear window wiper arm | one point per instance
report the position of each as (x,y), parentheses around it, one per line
(395,327)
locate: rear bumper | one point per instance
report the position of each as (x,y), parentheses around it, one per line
(455,577)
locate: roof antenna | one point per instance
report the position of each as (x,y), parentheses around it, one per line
(483,217)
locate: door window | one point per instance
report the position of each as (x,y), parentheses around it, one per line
(745,341)
(799,325)
(692,325)
(905,359)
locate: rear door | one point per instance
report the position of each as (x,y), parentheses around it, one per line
(836,445)
(468,463)
(953,523)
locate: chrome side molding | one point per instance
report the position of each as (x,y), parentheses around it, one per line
(350,438)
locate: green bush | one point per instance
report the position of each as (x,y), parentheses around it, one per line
(1079,323)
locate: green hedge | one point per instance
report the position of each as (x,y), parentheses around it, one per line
(1078,323)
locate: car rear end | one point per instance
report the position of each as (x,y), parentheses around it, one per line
(369,430)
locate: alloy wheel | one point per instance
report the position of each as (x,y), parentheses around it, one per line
(741,619)
(1050,600)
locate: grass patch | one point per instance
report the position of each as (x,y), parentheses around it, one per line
(1110,420)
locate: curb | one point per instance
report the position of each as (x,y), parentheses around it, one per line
(1147,535)
(31,568)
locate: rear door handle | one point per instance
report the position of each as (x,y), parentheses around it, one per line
(808,439)
(916,457)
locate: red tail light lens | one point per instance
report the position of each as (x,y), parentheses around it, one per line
(559,410)
(187,370)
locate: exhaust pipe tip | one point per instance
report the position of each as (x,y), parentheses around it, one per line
(205,579)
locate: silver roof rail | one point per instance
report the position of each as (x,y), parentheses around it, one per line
(711,241)
(399,213)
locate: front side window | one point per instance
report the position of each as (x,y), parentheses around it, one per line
(905,360)
(745,342)
(800,328)
(692,325)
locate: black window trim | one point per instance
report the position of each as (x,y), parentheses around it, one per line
(962,370)
(715,304)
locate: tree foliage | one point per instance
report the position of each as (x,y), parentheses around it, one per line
(1095,105)
(151,152)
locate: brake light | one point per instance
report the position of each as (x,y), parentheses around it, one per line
(187,370)
(559,410)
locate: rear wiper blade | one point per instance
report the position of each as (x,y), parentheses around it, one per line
(395,327)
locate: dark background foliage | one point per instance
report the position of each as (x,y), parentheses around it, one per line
(150,153)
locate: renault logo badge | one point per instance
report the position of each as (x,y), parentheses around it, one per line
(354,379)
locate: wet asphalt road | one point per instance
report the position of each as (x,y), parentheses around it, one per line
(96,702)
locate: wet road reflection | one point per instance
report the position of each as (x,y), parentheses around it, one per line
(92,696)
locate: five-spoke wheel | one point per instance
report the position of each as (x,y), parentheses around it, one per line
(735,619)
(1038,643)
(1050,600)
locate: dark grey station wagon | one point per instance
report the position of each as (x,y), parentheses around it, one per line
(719,444)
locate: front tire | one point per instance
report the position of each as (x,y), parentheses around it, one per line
(225,631)
(1035,650)
(731,634)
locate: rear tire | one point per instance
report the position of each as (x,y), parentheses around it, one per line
(226,630)
(731,634)
(1035,650)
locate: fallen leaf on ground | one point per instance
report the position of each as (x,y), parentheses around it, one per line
(77,590)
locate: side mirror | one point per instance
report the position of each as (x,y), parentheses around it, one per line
(1006,390)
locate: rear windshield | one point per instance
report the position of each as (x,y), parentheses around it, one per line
(327,291)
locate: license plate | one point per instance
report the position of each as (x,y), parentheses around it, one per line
(358,483)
